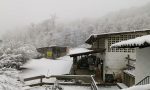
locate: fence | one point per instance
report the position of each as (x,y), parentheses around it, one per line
(77,77)
(144,81)
(93,84)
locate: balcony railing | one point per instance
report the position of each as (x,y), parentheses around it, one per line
(144,81)
(130,63)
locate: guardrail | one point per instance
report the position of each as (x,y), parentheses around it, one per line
(92,81)
(93,84)
(144,81)
(35,78)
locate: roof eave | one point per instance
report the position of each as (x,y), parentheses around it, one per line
(145,44)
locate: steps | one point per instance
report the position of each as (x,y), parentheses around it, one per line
(121,85)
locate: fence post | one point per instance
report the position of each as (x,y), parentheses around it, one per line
(41,81)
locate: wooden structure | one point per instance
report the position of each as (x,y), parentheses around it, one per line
(128,73)
(128,79)
(52,52)
(114,58)
(92,82)
(88,62)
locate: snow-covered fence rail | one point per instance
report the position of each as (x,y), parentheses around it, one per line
(77,78)
(93,84)
(144,81)
(35,78)
(69,76)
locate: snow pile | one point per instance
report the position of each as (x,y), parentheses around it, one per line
(78,50)
(36,67)
(8,80)
(133,42)
(139,87)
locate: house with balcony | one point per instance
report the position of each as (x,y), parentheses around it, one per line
(116,60)
(142,65)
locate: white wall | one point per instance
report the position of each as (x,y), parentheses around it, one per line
(142,63)
(116,61)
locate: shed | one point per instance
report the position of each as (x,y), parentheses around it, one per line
(53,52)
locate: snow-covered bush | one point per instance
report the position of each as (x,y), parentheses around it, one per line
(15,57)
(27,51)
(10,60)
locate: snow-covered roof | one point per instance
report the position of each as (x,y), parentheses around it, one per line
(93,36)
(78,50)
(143,41)
(51,46)
(130,72)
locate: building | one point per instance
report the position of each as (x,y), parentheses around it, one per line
(142,45)
(52,52)
(85,63)
(115,59)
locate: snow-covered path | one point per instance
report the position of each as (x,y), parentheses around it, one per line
(36,67)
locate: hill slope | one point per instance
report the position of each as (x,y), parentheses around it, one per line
(51,32)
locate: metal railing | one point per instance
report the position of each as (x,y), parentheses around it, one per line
(144,81)
(93,84)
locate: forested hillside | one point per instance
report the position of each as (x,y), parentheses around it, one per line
(52,32)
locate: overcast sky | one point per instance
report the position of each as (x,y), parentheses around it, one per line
(17,13)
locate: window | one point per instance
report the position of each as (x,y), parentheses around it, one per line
(118,38)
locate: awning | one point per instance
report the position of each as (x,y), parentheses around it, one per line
(87,53)
(141,42)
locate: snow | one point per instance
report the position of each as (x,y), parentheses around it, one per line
(133,42)
(64,88)
(8,80)
(108,88)
(122,85)
(36,67)
(78,50)
(65,58)
(139,87)
(92,35)
(71,87)
(131,72)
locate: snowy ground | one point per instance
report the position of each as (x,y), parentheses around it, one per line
(79,88)
(36,67)
(139,87)
(64,87)
(8,80)
(108,88)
